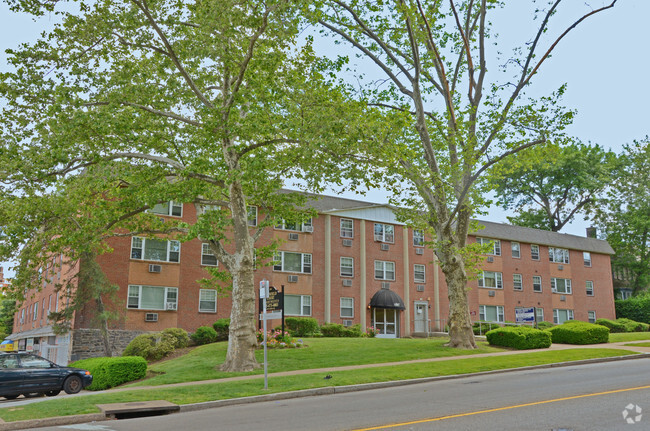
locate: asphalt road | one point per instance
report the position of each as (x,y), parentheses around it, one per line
(586,397)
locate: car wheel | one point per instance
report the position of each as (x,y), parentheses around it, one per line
(10,397)
(72,385)
(53,393)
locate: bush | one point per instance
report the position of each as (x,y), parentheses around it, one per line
(544,325)
(613,325)
(636,308)
(151,347)
(111,372)
(481,328)
(302,326)
(632,326)
(519,337)
(177,337)
(222,327)
(338,330)
(577,332)
(204,335)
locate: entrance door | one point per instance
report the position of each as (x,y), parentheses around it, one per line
(385,322)
(421,317)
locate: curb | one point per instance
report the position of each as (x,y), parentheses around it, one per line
(330,390)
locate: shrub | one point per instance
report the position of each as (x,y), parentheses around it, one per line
(519,337)
(204,335)
(338,330)
(613,325)
(544,325)
(632,326)
(222,327)
(276,339)
(577,332)
(111,372)
(481,328)
(636,308)
(302,326)
(176,336)
(151,347)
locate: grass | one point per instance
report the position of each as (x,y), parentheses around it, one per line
(629,336)
(639,344)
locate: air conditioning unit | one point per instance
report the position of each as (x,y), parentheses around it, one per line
(385,247)
(560,267)
(151,317)
(419,251)
(293,237)
(562,298)
(347,323)
(491,293)
(347,282)
(490,259)
(309,229)
(155,268)
(554,290)
(292,279)
(420,287)
(170,306)
(347,243)
(385,285)
(379,238)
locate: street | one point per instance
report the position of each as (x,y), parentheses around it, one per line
(605,396)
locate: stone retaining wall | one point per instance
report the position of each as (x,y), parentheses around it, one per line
(87,343)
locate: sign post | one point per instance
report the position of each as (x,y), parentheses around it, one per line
(264,293)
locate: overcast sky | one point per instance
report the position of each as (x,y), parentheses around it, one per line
(604,62)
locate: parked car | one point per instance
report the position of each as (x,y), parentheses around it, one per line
(31,375)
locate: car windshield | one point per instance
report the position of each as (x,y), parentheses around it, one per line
(31,361)
(8,361)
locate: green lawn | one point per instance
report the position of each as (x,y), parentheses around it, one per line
(629,336)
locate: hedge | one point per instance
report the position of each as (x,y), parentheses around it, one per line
(338,330)
(577,332)
(632,326)
(222,327)
(519,337)
(481,328)
(302,326)
(544,325)
(636,308)
(204,335)
(613,325)
(151,347)
(111,372)
(176,336)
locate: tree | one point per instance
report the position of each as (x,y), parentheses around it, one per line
(126,105)
(450,123)
(547,186)
(624,216)
(7,311)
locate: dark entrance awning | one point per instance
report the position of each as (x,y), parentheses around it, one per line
(386,298)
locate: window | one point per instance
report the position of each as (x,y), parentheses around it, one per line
(384,270)
(561,285)
(207,258)
(207,301)
(419,273)
(170,208)
(491,313)
(516,250)
(591,316)
(252,215)
(347,307)
(297,226)
(292,262)
(22,316)
(155,249)
(492,280)
(534,252)
(347,228)
(558,255)
(517,282)
(586,257)
(35,312)
(537,283)
(561,316)
(384,232)
(590,288)
(418,238)
(152,297)
(495,243)
(347,267)
(297,305)
(539,314)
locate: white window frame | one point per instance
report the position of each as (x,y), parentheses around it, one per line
(299,225)
(419,273)
(498,279)
(589,287)
(499,313)
(515,249)
(586,258)
(170,294)
(517,282)
(539,277)
(170,209)
(496,245)
(140,243)
(534,252)
(305,260)
(35,312)
(591,316)
(558,255)
(381,267)
(206,251)
(382,234)
(539,314)
(556,315)
(207,296)
(252,215)
(346,231)
(305,301)
(347,268)
(347,308)
(418,238)
(566,290)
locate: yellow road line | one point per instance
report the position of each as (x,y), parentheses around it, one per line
(460,415)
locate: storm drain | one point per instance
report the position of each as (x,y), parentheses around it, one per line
(138,409)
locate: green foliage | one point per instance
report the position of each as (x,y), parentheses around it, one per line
(338,330)
(577,332)
(613,325)
(7,311)
(302,326)
(222,328)
(151,347)
(204,335)
(176,336)
(111,372)
(544,325)
(519,337)
(636,308)
(481,328)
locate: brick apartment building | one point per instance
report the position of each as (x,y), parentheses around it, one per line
(352,264)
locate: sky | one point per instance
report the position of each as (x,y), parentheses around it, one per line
(604,63)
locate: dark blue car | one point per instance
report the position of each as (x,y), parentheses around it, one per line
(31,375)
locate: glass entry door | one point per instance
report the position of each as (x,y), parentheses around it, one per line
(421,317)
(385,322)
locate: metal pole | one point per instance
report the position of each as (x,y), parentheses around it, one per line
(266,376)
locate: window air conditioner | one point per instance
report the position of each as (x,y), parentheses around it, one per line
(490,259)
(293,237)
(419,251)
(560,267)
(491,293)
(385,247)
(420,287)
(292,279)
(347,282)
(385,285)
(347,323)
(151,317)
(170,306)
(562,298)
(309,229)
(379,238)
(155,268)
(347,243)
